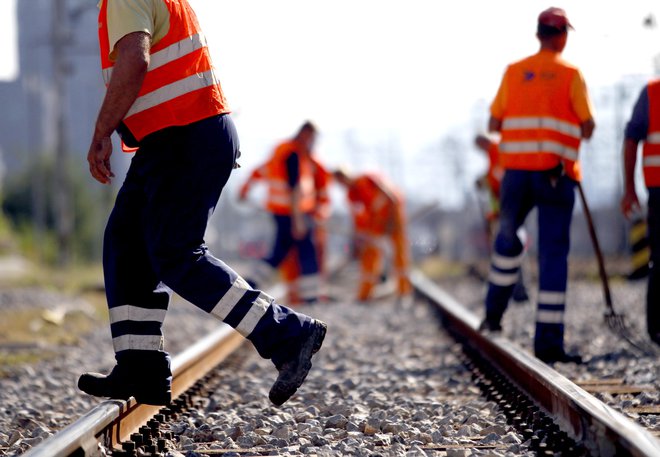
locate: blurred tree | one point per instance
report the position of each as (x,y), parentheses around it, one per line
(89,207)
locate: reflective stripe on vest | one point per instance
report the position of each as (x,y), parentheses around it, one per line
(651,150)
(542,122)
(180,86)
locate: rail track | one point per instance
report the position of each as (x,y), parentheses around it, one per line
(557,416)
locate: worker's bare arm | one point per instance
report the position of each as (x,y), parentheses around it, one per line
(127,76)
(587,128)
(494,124)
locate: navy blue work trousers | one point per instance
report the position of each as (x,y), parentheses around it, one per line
(554,198)
(284,242)
(154,244)
(653,293)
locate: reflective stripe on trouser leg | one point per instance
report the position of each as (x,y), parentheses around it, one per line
(555,209)
(550,321)
(309,287)
(246,318)
(502,277)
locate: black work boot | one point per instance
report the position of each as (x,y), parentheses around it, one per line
(292,372)
(551,356)
(144,375)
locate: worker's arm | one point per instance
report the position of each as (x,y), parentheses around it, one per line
(587,128)
(629,201)
(127,76)
(636,131)
(494,125)
(256,175)
(582,105)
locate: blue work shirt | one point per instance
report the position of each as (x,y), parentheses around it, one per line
(638,125)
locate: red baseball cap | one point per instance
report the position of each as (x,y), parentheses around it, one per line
(554,17)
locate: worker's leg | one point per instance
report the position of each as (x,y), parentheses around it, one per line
(320,242)
(309,280)
(185,171)
(290,272)
(517,201)
(261,271)
(653,293)
(401,261)
(555,209)
(137,303)
(370,266)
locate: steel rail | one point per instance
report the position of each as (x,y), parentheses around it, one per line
(112,421)
(603,430)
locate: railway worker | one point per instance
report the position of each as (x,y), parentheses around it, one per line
(165,100)
(491,182)
(378,217)
(644,126)
(542,111)
(492,179)
(290,268)
(292,199)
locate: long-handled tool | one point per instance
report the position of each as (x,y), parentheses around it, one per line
(615,321)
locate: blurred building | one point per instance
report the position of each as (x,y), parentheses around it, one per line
(28,118)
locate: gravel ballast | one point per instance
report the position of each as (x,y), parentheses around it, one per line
(387,381)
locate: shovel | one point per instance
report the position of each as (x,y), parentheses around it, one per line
(615,321)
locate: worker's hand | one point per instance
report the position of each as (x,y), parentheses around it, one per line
(298,227)
(629,203)
(99,159)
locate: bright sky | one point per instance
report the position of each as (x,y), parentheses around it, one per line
(417,66)
(8,50)
(387,68)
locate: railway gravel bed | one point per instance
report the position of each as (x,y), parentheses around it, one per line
(387,382)
(36,400)
(606,357)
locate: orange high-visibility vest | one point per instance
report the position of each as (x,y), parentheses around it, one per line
(180,86)
(540,128)
(371,209)
(279,190)
(651,150)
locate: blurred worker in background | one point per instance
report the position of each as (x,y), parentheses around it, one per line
(378,217)
(292,200)
(644,125)
(491,182)
(165,100)
(542,111)
(290,266)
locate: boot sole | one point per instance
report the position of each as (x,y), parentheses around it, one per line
(92,384)
(282,390)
